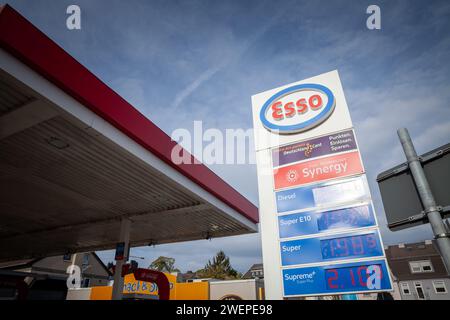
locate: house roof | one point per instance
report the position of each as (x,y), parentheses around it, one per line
(20,264)
(399,257)
(248,274)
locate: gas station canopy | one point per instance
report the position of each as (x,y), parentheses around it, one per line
(76,158)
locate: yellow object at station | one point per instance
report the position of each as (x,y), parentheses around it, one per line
(178,291)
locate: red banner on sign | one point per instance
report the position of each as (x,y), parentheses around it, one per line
(342,165)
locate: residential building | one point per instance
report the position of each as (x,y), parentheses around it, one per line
(419,271)
(256,271)
(46,278)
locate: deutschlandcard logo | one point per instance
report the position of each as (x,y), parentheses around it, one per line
(297,109)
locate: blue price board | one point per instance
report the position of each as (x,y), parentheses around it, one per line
(323,194)
(353,245)
(313,222)
(339,278)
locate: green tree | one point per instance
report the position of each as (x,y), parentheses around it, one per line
(164,264)
(219,268)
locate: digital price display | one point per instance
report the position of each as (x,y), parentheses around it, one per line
(312,222)
(322,195)
(360,245)
(337,247)
(352,277)
(356,217)
(368,276)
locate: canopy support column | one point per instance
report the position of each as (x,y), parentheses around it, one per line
(124,238)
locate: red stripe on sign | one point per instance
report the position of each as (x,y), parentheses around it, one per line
(342,165)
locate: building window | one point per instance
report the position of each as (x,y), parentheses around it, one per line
(415,267)
(257,273)
(405,288)
(419,290)
(86,259)
(421,266)
(86,283)
(439,287)
(426,266)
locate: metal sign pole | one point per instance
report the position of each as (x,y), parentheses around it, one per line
(430,208)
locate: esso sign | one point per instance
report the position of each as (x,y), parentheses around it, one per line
(297,108)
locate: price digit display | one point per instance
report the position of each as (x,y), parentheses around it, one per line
(360,245)
(363,276)
(363,244)
(322,195)
(357,245)
(333,278)
(361,216)
(313,222)
(349,278)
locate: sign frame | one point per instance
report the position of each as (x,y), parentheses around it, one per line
(417,215)
(267,142)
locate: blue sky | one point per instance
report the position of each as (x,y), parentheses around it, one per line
(180,61)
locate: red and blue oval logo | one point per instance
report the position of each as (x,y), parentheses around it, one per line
(297,109)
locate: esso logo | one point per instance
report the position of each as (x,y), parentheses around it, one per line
(297,108)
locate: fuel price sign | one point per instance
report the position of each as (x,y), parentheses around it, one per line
(338,278)
(329,248)
(320,221)
(318,226)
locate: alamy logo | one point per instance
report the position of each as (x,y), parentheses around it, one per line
(374,20)
(73,21)
(373,277)
(74,278)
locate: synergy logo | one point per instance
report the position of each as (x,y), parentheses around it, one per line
(297,108)
(292,175)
